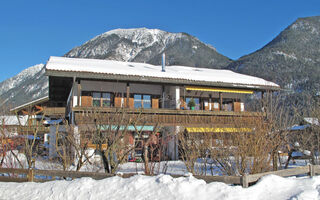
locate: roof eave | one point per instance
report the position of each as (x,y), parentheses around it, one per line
(119,77)
(31,103)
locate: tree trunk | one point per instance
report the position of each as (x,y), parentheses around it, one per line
(105,161)
(146,160)
(275,161)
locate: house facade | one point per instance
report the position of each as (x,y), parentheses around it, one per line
(174,97)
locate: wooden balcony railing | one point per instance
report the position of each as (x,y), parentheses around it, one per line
(33,129)
(87,115)
(55,111)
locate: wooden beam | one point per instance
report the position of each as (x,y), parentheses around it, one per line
(163,96)
(79,93)
(128,94)
(73,91)
(220,100)
(262,99)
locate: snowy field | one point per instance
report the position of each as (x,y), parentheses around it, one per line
(163,187)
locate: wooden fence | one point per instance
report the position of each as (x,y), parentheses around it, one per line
(34,175)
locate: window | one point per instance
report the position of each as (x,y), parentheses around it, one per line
(142,101)
(106,99)
(96,96)
(103,99)
(146,101)
(196,100)
(137,100)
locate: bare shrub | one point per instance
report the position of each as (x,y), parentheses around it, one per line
(109,133)
(249,145)
(307,139)
(192,147)
(244,152)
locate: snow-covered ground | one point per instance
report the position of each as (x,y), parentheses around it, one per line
(95,165)
(157,187)
(163,187)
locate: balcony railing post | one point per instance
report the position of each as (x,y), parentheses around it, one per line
(220,100)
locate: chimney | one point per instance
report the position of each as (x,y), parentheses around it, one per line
(163,62)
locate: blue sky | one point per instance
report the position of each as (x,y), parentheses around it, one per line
(33,30)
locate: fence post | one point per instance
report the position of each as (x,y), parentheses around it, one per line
(30,175)
(244,181)
(311,170)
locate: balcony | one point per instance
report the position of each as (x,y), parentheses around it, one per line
(167,109)
(164,117)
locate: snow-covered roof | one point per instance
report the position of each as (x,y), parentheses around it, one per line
(31,103)
(12,120)
(144,71)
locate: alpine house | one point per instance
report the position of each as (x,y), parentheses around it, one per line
(174,97)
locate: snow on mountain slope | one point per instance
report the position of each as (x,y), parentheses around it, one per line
(28,85)
(19,78)
(136,45)
(292,60)
(147,45)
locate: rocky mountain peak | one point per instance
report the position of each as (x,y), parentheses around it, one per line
(147,45)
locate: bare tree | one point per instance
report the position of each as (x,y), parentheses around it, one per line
(30,132)
(152,148)
(307,138)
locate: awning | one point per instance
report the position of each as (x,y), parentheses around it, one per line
(217,130)
(226,90)
(129,128)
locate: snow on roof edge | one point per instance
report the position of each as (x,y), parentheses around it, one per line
(30,102)
(112,67)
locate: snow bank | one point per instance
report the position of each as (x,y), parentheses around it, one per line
(162,187)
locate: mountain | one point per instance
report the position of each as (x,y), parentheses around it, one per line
(28,85)
(135,45)
(292,59)
(147,45)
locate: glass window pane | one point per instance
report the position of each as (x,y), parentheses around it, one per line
(146,101)
(96,102)
(106,96)
(106,99)
(137,96)
(137,100)
(96,95)
(187,102)
(96,99)
(197,101)
(106,103)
